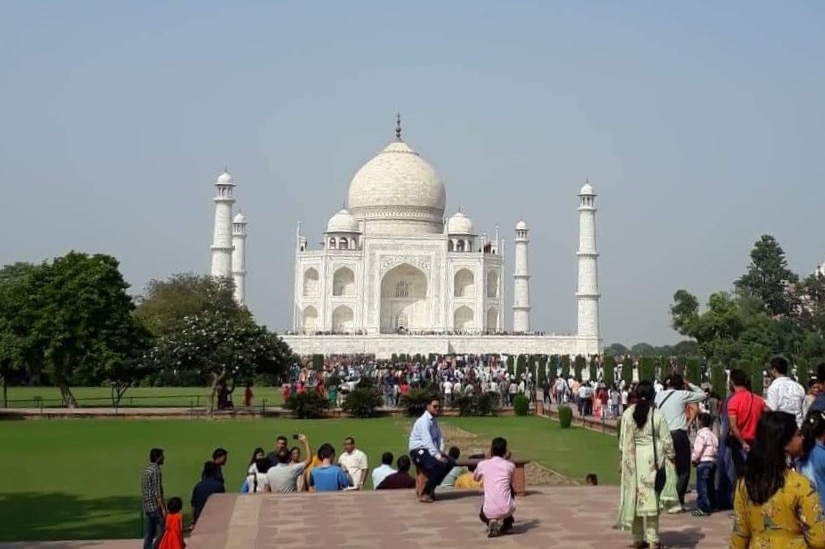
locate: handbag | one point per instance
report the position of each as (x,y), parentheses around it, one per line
(661,473)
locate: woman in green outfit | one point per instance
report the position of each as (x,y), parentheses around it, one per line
(639,505)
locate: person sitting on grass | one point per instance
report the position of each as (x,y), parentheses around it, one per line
(499,502)
(401,479)
(328,477)
(455,472)
(591,480)
(207,486)
(173,532)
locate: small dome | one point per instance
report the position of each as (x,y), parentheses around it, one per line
(225,179)
(460,224)
(343,222)
(586,190)
(239,218)
(521,226)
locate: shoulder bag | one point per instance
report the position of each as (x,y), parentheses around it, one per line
(661,473)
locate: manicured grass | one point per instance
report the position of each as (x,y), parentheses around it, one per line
(79,479)
(30,397)
(573,452)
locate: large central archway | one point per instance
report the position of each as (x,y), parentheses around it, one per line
(404,300)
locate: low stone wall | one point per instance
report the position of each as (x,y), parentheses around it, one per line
(383,346)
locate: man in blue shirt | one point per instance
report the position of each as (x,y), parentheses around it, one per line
(426,446)
(328,477)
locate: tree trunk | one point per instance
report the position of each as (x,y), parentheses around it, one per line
(216,380)
(68,398)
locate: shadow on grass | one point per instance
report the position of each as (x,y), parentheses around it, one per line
(39,516)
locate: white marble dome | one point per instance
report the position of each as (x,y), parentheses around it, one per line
(586,190)
(398,192)
(240,218)
(459,223)
(343,222)
(521,225)
(225,179)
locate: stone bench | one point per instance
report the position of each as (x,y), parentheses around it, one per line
(519,476)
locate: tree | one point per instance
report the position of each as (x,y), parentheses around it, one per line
(647,368)
(718,379)
(593,368)
(627,371)
(565,366)
(73,318)
(684,313)
(521,366)
(768,277)
(693,369)
(616,349)
(13,336)
(609,370)
(167,302)
(578,365)
(220,348)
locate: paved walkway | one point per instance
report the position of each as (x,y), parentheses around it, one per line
(573,518)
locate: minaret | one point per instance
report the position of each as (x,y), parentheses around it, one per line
(587,293)
(222,234)
(239,257)
(521,282)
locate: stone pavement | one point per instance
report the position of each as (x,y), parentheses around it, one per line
(569,517)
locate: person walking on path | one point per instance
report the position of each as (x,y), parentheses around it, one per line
(646,446)
(785,394)
(426,446)
(672,402)
(151,495)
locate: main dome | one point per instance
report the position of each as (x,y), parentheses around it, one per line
(398,192)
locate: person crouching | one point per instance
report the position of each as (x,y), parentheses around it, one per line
(496,473)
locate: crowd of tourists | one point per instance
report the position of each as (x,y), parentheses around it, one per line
(760,459)
(289,470)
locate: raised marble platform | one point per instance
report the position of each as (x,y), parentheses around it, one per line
(384,345)
(569,517)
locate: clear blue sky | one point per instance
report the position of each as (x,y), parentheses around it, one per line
(700,125)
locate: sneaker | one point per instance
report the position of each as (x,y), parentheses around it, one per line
(493,528)
(700,513)
(675,510)
(426,498)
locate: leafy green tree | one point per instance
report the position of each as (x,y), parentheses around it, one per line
(609,370)
(221,349)
(627,371)
(565,366)
(718,378)
(693,369)
(578,365)
(13,333)
(511,364)
(167,302)
(647,368)
(75,322)
(521,365)
(593,368)
(616,349)
(768,277)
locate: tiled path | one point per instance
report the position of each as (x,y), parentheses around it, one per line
(569,517)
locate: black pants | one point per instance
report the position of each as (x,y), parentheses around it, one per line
(507,523)
(681,443)
(435,469)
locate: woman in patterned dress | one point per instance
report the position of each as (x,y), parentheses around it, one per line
(639,505)
(775,507)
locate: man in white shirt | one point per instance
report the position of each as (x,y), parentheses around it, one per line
(784,394)
(354,462)
(448,392)
(426,446)
(384,470)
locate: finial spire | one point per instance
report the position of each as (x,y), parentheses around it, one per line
(398,126)
(225,168)
(343,204)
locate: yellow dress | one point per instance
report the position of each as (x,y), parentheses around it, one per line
(791,519)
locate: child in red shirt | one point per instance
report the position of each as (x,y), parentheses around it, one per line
(173,531)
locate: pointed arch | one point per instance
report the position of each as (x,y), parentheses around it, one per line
(309,320)
(343,282)
(464,283)
(310,285)
(463,318)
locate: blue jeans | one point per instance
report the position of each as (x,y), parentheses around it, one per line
(705,486)
(152,529)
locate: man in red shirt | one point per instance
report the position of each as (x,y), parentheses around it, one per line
(744,410)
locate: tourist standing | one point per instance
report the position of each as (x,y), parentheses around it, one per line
(785,394)
(426,446)
(354,462)
(283,476)
(774,506)
(672,401)
(744,410)
(151,495)
(705,454)
(645,445)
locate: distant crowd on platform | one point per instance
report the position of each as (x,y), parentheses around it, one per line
(404,331)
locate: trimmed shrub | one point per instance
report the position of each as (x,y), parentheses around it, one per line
(476,405)
(578,365)
(565,417)
(609,370)
(307,405)
(363,401)
(565,366)
(521,405)
(416,399)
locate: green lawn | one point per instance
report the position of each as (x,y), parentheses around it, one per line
(79,479)
(30,397)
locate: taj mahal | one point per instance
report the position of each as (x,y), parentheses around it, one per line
(394,276)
